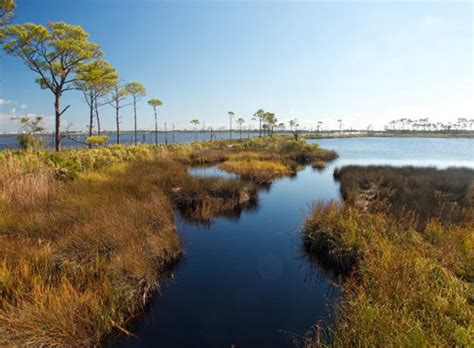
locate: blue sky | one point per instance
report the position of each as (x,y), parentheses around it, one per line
(364,62)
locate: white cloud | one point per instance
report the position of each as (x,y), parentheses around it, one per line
(24,106)
(13,111)
(4,101)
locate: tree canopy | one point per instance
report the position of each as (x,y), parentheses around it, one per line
(136,89)
(99,77)
(6,11)
(56,52)
(155,102)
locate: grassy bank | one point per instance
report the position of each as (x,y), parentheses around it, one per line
(81,259)
(412,282)
(86,235)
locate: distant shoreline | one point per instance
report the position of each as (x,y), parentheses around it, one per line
(305,134)
(464,135)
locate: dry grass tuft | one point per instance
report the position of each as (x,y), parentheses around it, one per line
(261,172)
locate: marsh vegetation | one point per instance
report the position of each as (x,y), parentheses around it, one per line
(86,235)
(405,237)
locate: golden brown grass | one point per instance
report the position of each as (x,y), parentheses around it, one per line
(263,160)
(24,179)
(260,171)
(86,235)
(83,261)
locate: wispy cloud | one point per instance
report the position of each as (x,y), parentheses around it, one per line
(24,106)
(4,101)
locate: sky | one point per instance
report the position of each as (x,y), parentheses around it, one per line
(362,62)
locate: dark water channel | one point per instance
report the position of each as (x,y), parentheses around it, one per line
(246,281)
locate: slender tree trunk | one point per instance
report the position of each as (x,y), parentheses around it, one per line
(91,118)
(166,135)
(260,128)
(240,131)
(57,127)
(117,119)
(97,116)
(156,127)
(230,119)
(135,118)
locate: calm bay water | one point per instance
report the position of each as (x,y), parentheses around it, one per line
(246,282)
(438,152)
(10,140)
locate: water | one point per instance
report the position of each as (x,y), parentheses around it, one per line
(10,141)
(438,152)
(247,282)
(211,172)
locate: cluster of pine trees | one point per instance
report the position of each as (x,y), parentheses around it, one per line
(64,59)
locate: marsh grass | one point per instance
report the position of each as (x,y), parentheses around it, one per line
(262,161)
(410,284)
(81,262)
(319,165)
(92,253)
(24,179)
(198,199)
(87,235)
(426,192)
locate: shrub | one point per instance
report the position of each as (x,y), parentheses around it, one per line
(97,140)
(29,141)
